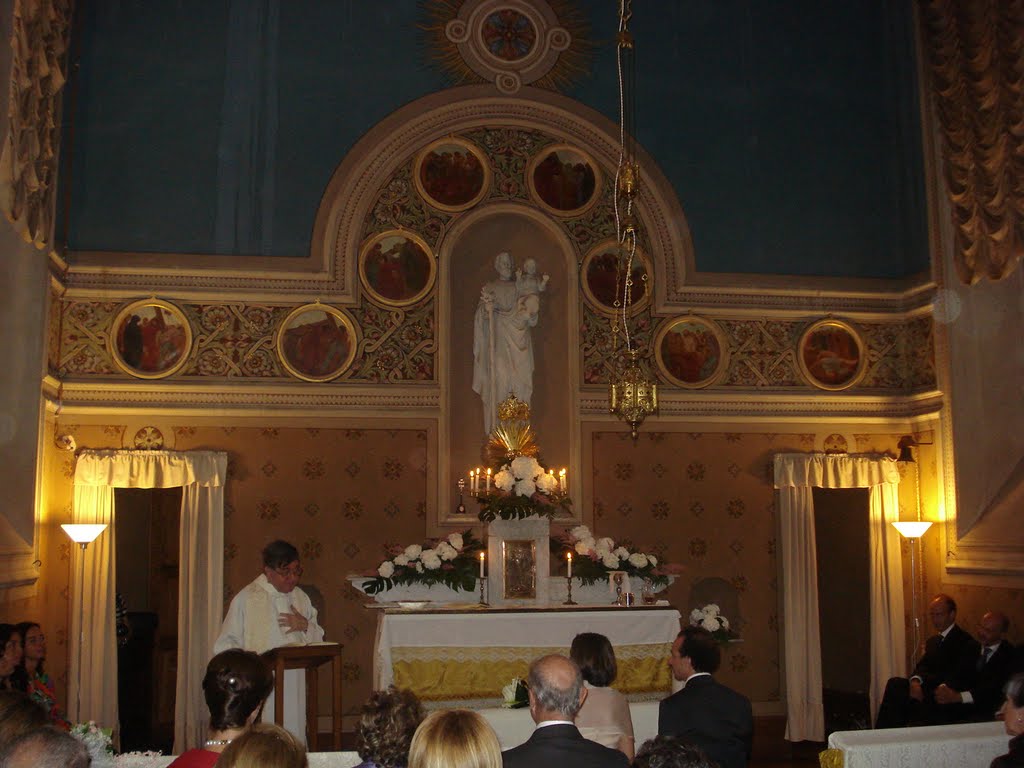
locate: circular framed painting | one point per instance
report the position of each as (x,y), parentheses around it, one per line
(831,355)
(603,275)
(452,174)
(150,339)
(397,268)
(691,351)
(317,342)
(564,180)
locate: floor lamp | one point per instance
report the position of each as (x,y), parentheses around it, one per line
(913,531)
(82,534)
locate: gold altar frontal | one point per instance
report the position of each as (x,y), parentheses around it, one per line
(468,653)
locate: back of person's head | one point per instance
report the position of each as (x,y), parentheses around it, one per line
(594,655)
(18,715)
(278,554)
(385,730)
(702,648)
(264,746)
(671,752)
(236,684)
(555,683)
(1014,689)
(45,747)
(457,738)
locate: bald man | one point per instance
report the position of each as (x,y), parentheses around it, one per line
(556,695)
(993,666)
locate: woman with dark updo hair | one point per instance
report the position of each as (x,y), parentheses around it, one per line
(236,684)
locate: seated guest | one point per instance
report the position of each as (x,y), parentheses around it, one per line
(264,746)
(45,747)
(235,686)
(993,667)
(18,715)
(385,730)
(1012,713)
(458,738)
(40,686)
(604,716)
(949,658)
(705,712)
(671,752)
(12,674)
(556,695)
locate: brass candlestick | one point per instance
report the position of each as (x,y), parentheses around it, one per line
(461,509)
(570,601)
(482,601)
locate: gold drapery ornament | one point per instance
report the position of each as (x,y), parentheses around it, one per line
(975,51)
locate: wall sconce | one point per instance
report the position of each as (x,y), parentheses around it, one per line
(82,534)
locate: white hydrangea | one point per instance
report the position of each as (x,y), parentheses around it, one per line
(446,551)
(547,484)
(413,551)
(402,559)
(724,621)
(525,487)
(638,560)
(711,610)
(419,567)
(431,562)
(604,545)
(582,548)
(711,624)
(455,539)
(504,480)
(622,553)
(610,560)
(525,468)
(581,532)
(387,569)
(696,616)
(652,560)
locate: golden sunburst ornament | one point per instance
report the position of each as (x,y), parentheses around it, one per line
(513,436)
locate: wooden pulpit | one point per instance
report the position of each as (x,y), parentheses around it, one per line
(309,658)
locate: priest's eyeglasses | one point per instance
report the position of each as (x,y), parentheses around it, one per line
(285,573)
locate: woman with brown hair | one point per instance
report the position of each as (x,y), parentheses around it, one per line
(385,730)
(236,684)
(457,738)
(40,687)
(604,716)
(265,746)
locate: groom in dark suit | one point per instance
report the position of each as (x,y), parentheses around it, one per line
(556,695)
(705,712)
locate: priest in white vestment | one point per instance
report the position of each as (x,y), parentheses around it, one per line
(269,612)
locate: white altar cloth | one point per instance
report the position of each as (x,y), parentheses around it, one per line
(971,745)
(442,651)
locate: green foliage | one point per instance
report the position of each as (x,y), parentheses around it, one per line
(506,506)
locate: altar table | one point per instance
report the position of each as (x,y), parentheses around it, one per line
(971,745)
(467,654)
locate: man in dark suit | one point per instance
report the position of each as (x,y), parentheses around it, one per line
(705,712)
(949,659)
(993,667)
(556,695)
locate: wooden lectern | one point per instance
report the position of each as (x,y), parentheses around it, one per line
(309,658)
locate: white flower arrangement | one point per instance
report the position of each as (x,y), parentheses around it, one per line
(449,561)
(148,759)
(598,556)
(710,618)
(522,488)
(97,741)
(515,694)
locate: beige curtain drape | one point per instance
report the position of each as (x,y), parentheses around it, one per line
(201,475)
(975,54)
(796,475)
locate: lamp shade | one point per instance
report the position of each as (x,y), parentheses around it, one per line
(84,533)
(911,529)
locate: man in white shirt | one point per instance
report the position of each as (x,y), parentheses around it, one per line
(270,612)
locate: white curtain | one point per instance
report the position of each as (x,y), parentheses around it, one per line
(796,474)
(201,476)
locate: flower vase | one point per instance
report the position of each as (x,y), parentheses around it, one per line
(519,559)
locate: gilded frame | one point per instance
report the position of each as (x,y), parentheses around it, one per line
(371,282)
(471,148)
(124,351)
(594,300)
(689,368)
(535,195)
(831,369)
(316,369)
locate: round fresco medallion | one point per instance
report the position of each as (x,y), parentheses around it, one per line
(831,355)
(508,35)
(317,342)
(452,175)
(603,276)
(150,339)
(397,268)
(564,180)
(691,351)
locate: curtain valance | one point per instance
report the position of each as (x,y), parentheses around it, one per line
(151,469)
(816,470)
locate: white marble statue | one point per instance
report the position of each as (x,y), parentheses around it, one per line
(502,343)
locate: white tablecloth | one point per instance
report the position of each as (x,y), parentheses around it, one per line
(316,760)
(940,746)
(642,638)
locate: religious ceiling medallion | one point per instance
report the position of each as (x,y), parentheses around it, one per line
(692,352)
(452,174)
(397,268)
(317,342)
(510,43)
(150,339)
(564,180)
(832,355)
(602,275)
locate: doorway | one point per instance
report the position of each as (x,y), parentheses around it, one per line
(842,540)
(147,524)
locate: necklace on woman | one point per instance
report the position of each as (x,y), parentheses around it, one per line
(217,742)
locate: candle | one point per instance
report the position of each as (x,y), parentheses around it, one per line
(568,565)
(481,563)
(561,480)
(478,479)
(488,479)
